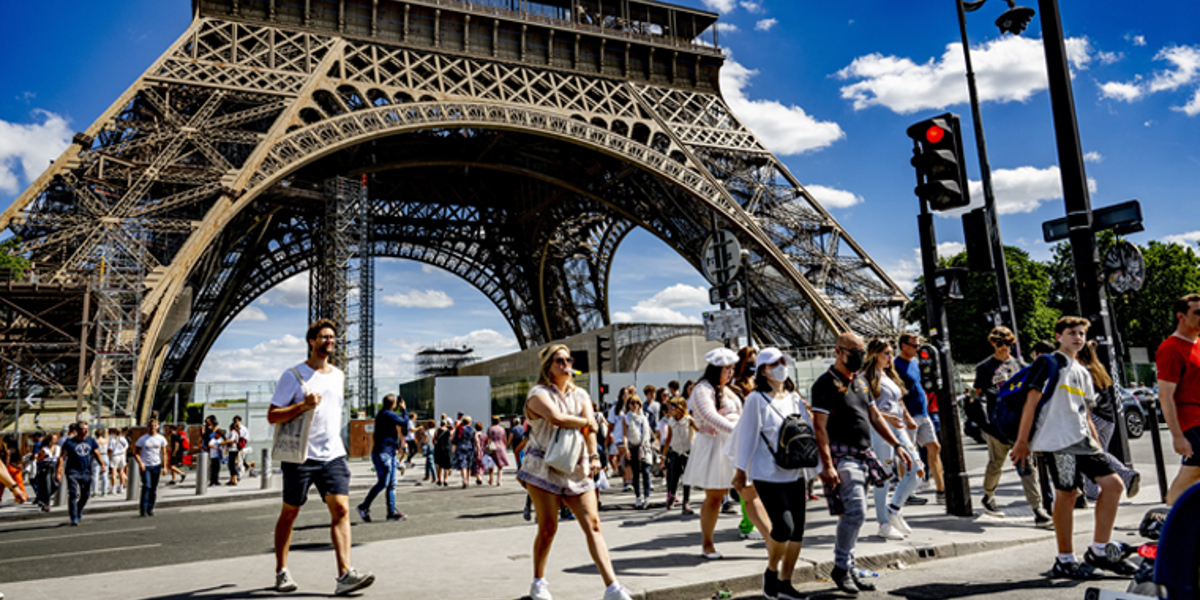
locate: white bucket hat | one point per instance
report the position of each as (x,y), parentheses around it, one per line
(721,357)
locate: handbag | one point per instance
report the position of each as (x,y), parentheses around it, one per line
(291,437)
(565,447)
(490,448)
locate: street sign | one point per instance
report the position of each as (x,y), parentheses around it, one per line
(724,324)
(1122,218)
(722,257)
(730,292)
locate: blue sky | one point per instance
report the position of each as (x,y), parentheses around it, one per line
(829,86)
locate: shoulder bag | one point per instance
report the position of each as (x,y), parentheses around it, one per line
(566,444)
(291,437)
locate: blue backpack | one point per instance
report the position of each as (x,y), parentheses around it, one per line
(1010,399)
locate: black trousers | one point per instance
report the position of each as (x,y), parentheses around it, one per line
(785,503)
(676,463)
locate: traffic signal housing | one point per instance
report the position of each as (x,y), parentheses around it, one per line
(931,368)
(939,162)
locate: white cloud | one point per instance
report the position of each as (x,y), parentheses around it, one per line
(1136,40)
(420,299)
(833,197)
(292,293)
(1093,157)
(786,130)
(904,272)
(487,343)
(727,28)
(766,24)
(1108,58)
(32,146)
(262,362)
(950,249)
(1007,69)
(1117,90)
(1183,239)
(431,270)
(721,6)
(661,307)
(753,7)
(1019,190)
(249,314)
(1184,71)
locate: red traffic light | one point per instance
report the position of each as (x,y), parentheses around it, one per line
(925,355)
(934,134)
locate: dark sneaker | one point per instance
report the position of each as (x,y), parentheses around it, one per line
(1081,502)
(787,592)
(1112,560)
(862,578)
(915,500)
(989,506)
(770,585)
(397,516)
(363,513)
(844,581)
(1134,485)
(941,497)
(1042,519)
(1071,570)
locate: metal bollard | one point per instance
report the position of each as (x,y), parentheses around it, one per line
(264,469)
(133,491)
(60,498)
(201,473)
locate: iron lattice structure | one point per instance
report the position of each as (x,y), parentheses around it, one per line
(513,144)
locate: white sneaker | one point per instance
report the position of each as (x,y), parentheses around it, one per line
(638,503)
(284,582)
(353,581)
(887,532)
(618,594)
(899,524)
(540,590)
(753,535)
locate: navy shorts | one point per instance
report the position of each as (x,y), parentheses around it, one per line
(1068,470)
(331,478)
(1193,436)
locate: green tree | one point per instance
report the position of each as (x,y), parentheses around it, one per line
(969,318)
(12,264)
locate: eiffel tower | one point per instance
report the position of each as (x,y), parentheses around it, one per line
(514,143)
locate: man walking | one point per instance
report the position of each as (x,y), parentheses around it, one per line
(75,461)
(315,385)
(917,404)
(1178,362)
(388,427)
(150,455)
(989,376)
(843,416)
(1066,440)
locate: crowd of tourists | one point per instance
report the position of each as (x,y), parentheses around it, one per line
(742,437)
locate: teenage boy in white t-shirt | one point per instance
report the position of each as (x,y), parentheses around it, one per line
(321,392)
(1067,442)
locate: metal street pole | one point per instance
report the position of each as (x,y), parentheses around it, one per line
(1089,290)
(1003,292)
(958,485)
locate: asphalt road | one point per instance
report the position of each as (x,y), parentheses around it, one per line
(118,541)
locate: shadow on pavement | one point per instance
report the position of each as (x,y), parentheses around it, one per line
(979,590)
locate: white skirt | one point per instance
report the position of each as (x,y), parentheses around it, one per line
(708,467)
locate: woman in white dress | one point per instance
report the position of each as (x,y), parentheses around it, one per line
(887,390)
(715,409)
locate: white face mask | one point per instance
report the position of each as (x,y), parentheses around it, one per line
(777,373)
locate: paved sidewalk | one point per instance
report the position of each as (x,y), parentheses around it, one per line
(656,555)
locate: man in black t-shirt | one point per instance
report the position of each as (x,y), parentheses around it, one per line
(75,463)
(989,376)
(843,416)
(388,436)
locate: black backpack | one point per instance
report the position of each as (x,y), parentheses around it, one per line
(796,444)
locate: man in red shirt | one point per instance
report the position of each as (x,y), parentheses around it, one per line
(1178,362)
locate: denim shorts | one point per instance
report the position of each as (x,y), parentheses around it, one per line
(331,478)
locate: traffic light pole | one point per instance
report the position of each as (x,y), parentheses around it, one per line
(1003,292)
(1089,291)
(958,486)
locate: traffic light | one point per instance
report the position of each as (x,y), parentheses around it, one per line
(931,370)
(603,352)
(939,162)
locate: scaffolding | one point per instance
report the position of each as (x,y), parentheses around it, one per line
(444,362)
(119,278)
(342,283)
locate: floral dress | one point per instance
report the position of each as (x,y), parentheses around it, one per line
(464,448)
(534,470)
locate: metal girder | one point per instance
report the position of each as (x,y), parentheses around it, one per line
(190,162)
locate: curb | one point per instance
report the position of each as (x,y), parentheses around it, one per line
(808,571)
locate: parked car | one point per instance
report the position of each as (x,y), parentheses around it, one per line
(1134,413)
(1149,397)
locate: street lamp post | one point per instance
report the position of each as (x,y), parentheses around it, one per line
(1013,20)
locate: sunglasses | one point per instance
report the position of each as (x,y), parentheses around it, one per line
(564,361)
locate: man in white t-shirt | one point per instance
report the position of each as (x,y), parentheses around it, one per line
(1066,439)
(315,385)
(149,456)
